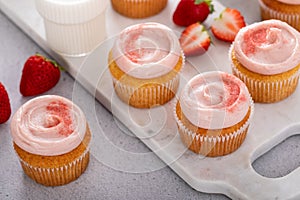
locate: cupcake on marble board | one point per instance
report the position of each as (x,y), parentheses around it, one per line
(51,139)
(265,55)
(145,62)
(138,8)
(213,113)
(284,10)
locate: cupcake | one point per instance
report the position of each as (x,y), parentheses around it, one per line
(265,55)
(138,8)
(51,139)
(144,63)
(213,113)
(284,10)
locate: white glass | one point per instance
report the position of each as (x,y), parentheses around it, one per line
(73,27)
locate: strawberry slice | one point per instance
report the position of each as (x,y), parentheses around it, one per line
(5,109)
(228,25)
(195,40)
(192,11)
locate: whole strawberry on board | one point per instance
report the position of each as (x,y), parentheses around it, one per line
(191,11)
(194,40)
(228,25)
(5,110)
(39,75)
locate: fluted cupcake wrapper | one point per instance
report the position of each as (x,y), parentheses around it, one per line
(149,95)
(268,92)
(139,8)
(59,175)
(213,146)
(291,18)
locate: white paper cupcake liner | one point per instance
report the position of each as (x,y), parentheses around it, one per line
(57,176)
(268,92)
(263,91)
(147,97)
(213,146)
(139,8)
(267,13)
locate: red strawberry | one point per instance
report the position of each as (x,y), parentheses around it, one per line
(5,109)
(39,75)
(228,25)
(194,40)
(191,11)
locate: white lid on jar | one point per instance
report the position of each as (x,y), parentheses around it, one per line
(70,11)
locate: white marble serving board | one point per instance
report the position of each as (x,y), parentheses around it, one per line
(231,175)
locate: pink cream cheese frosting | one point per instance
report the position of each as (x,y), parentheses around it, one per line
(293,2)
(48,125)
(268,47)
(146,50)
(215,100)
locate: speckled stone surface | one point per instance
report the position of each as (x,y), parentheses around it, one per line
(101,181)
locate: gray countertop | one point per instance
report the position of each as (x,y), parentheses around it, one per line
(99,180)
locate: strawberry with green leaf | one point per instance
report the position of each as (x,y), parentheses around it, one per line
(39,75)
(191,11)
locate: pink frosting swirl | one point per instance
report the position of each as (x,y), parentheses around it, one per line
(268,47)
(293,2)
(146,50)
(48,125)
(215,100)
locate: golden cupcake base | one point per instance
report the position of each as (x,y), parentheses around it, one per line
(145,93)
(56,170)
(212,143)
(272,9)
(138,8)
(266,88)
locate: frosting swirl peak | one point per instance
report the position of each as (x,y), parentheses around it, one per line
(215,100)
(268,47)
(48,125)
(146,50)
